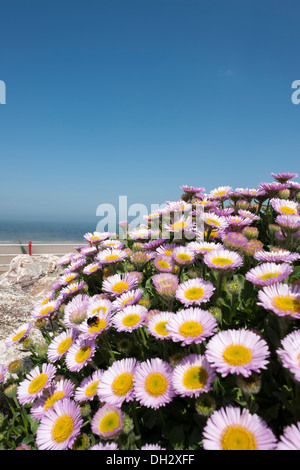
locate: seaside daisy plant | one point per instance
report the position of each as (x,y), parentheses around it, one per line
(181,334)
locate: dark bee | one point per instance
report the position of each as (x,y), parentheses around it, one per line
(93,321)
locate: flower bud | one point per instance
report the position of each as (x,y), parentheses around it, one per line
(250,232)
(205,405)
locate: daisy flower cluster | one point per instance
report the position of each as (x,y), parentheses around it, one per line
(184,334)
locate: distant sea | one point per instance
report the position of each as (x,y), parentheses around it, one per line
(45,231)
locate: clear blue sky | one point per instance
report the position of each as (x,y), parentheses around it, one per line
(137,97)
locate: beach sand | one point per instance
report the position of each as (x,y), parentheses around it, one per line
(8,251)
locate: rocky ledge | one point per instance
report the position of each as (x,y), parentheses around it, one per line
(27,280)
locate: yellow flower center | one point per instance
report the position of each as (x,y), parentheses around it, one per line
(101,308)
(120,287)
(111,257)
(194,293)
(92,388)
(82,354)
(191,328)
(122,384)
(168,252)
(195,378)
(183,257)
(156,384)
(53,398)
(267,276)
(237,355)
(161,329)
(131,319)
(19,335)
(238,438)
(129,299)
(219,261)
(45,301)
(70,278)
(210,220)
(287,210)
(287,304)
(62,428)
(46,310)
(179,225)
(163,264)
(38,383)
(220,193)
(109,423)
(64,345)
(93,268)
(100,324)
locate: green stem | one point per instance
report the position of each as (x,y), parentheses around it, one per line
(136,422)
(105,339)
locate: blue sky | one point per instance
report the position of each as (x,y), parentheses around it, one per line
(137,97)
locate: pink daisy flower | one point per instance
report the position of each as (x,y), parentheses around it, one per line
(109,256)
(116,244)
(128,298)
(268,273)
(237,352)
(165,284)
(289,353)
(80,353)
(3,370)
(59,426)
(153,383)
(282,299)
(192,189)
(107,421)
(222,192)
(290,438)
(157,325)
(183,256)
(106,446)
(118,284)
(284,206)
(117,382)
(231,428)
(223,260)
(96,237)
(166,249)
(35,383)
(76,310)
(88,387)
(45,310)
(194,291)
(62,389)
(92,268)
(67,278)
(193,376)
(288,223)
(61,344)
(191,325)
(130,318)
(215,221)
(95,325)
(164,263)
(283,177)
(278,256)
(72,289)
(152,447)
(19,334)
(201,248)
(98,305)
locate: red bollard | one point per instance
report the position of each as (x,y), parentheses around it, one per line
(29,248)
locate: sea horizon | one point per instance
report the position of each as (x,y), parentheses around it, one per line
(46,231)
